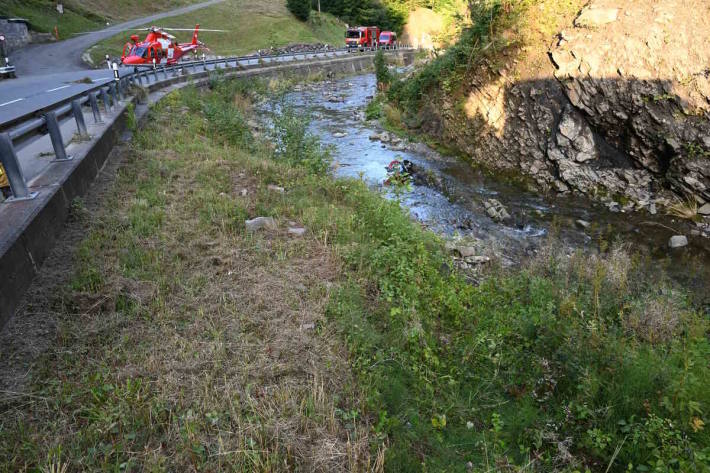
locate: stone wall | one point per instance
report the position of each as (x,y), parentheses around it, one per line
(16,34)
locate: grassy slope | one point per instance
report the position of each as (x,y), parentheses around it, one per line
(571,363)
(251,25)
(186,343)
(82,15)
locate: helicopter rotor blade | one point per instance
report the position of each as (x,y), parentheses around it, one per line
(111,30)
(193,29)
(151,28)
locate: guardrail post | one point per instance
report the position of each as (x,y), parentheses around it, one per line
(79,117)
(155,74)
(114,93)
(165,73)
(55,134)
(9,161)
(106,100)
(95,107)
(122,88)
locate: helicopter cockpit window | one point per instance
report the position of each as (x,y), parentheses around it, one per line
(140,51)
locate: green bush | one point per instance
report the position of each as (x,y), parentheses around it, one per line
(545,367)
(479,40)
(373,111)
(228,122)
(300,8)
(295,145)
(382,72)
(387,14)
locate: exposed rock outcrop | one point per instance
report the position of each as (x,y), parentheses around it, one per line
(615,106)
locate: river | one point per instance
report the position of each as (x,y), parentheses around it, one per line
(455,206)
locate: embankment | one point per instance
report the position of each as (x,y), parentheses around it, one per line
(610,99)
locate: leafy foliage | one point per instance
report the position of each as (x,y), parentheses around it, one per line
(300,8)
(381,71)
(478,41)
(295,145)
(387,14)
(535,367)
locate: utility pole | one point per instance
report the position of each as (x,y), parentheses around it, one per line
(319,7)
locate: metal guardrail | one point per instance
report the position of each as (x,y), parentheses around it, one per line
(7,71)
(46,120)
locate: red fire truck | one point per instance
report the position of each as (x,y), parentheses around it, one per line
(388,40)
(362,37)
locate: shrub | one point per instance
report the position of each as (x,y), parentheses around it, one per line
(384,78)
(481,39)
(228,121)
(571,363)
(295,145)
(301,9)
(373,110)
(392,115)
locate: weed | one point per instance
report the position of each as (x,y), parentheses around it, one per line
(696,151)
(373,111)
(130,112)
(686,208)
(295,145)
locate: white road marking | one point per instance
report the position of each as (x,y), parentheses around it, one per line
(58,88)
(11,101)
(100,78)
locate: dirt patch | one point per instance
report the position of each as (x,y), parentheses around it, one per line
(32,331)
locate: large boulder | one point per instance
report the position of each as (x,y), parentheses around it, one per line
(593,17)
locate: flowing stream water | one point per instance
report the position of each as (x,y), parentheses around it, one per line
(456,207)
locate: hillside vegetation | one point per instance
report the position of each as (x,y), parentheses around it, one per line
(82,15)
(188,342)
(390,14)
(249,26)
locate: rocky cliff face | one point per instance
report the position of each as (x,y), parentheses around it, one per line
(615,106)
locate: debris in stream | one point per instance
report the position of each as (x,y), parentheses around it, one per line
(496,210)
(399,173)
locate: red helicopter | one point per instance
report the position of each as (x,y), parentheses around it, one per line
(159,47)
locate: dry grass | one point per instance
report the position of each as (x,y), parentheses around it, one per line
(686,208)
(183,342)
(655,320)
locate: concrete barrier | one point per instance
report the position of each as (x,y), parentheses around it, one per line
(29,229)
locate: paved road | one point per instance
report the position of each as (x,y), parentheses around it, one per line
(65,56)
(48,72)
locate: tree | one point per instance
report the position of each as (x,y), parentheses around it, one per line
(300,8)
(384,78)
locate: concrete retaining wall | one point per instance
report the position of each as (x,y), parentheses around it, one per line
(29,229)
(16,33)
